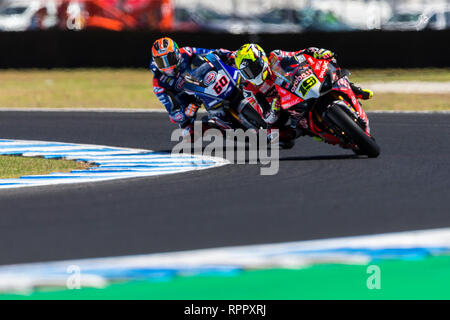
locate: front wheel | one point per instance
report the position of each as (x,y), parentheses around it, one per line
(338,117)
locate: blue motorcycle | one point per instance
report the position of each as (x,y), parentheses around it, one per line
(216,85)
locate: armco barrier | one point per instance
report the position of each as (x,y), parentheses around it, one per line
(98,48)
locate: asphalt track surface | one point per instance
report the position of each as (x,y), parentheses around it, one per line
(320,191)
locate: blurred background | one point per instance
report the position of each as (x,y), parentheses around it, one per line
(228,16)
(96,53)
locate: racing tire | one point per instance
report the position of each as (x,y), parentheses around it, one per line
(288,144)
(367,145)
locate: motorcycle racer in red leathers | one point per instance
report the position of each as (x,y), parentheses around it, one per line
(260,90)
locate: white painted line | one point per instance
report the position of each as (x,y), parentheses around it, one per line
(110,162)
(118,110)
(348,250)
(100,110)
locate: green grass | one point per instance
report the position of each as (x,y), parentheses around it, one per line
(98,88)
(15,167)
(430,74)
(427,278)
(408,102)
(132,88)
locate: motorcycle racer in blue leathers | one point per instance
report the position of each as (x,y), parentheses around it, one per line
(169,64)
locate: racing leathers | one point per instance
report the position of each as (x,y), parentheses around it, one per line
(181,107)
(267,101)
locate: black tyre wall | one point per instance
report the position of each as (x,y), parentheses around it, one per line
(99,48)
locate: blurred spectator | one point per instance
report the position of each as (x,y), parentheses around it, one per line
(229,16)
(106,16)
(63,15)
(37,21)
(155,14)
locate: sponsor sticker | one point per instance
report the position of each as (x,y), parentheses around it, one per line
(179,84)
(300,58)
(287,99)
(209,78)
(324,70)
(307,84)
(178,116)
(318,65)
(264,87)
(158,90)
(188,51)
(300,78)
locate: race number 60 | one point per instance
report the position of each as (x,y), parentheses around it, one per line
(218,87)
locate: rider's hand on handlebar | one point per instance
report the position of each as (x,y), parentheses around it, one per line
(225,55)
(276,105)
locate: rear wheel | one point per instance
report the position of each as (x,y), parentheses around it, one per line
(338,117)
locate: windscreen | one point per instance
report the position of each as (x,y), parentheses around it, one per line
(198,72)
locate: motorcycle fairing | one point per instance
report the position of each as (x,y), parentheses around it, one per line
(223,79)
(310,79)
(343,86)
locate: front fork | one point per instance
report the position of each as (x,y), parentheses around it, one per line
(344,140)
(327,131)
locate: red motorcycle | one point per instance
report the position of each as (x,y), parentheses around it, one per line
(333,114)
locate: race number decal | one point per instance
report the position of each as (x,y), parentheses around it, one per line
(222,83)
(307,84)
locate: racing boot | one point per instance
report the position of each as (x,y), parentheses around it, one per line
(299,123)
(188,132)
(360,93)
(220,123)
(285,137)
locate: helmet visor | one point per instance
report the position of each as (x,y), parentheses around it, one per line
(251,69)
(166,61)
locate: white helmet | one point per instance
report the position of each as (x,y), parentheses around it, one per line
(252,63)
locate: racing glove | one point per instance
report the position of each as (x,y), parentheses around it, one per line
(226,56)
